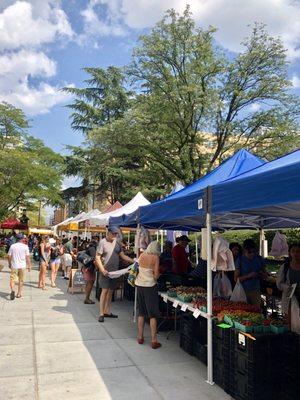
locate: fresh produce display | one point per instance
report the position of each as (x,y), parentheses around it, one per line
(221,305)
(186,294)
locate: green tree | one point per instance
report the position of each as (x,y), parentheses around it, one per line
(13,125)
(102,101)
(191,88)
(29,171)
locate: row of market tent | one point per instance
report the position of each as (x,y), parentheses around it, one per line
(243,192)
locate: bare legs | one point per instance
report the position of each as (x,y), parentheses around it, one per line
(88,290)
(141,324)
(42,275)
(54,269)
(105,301)
(153,328)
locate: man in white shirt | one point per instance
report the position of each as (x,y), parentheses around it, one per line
(18,259)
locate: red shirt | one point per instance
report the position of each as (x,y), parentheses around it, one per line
(181,259)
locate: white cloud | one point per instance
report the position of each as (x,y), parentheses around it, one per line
(25,28)
(97,23)
(232,18)
(296,82)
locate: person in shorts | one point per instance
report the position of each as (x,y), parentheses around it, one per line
(18,259)
(107,260)
(68,256)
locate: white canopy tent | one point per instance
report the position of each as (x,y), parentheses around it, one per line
(103,220)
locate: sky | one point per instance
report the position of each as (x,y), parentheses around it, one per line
(45,44)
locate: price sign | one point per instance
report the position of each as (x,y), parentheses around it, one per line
(196,313)
(184,307)
(165,299)
(176,304)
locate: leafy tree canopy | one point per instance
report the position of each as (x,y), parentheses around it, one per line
(180,108)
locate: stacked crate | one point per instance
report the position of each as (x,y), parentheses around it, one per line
(223,358)
(193,336)
(257,363)
(290,364)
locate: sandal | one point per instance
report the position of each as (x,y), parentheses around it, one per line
(18,296)
(155,345)
(141,341)
(89,301)
(101,318)
(111,315)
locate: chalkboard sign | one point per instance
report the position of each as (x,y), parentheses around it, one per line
(76,280)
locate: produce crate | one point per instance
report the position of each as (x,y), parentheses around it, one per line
(200,351)
(186,343)
(243,328)
(261,390)
(223,333)
(277,329)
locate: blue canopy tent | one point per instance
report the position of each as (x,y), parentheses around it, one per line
(265,197)
(154,215)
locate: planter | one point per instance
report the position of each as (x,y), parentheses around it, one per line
(277,329)
(243,328)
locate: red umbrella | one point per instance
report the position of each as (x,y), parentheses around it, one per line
(13,223)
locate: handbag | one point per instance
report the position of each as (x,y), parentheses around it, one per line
(133,273)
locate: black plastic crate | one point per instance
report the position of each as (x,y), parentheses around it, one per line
(254,346)
(223,334)
(200,351)
(244,365)
(218,372)
(259,390)
(186,343)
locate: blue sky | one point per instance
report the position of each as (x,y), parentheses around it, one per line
(44,44)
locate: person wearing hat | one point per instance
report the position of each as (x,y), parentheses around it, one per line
(107,260)
(181,262)
(18,259)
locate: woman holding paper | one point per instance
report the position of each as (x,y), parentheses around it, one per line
(147,292)
(288,280)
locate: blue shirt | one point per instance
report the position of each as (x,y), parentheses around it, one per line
(247,266)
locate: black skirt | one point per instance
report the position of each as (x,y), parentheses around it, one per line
(147,300)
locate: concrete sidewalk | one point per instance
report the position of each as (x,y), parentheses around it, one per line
(52,347)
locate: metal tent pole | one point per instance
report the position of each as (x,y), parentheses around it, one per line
(196,247)
(209,290)
(261,242)
(162,241)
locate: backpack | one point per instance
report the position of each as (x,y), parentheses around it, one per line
(86,260)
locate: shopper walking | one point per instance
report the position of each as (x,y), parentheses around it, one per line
(69,256)
(55,260)
(88,271)
(107,260)
(18,259)
(147,292)
(44,257)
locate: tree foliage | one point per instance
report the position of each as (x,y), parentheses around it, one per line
(190,106)
(29,171)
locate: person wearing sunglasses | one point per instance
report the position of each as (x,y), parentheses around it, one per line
(250,268)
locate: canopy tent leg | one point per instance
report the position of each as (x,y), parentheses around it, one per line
(262,242)
(196,248)
(128,239)
(209,302)
(161,240)
(157,236)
